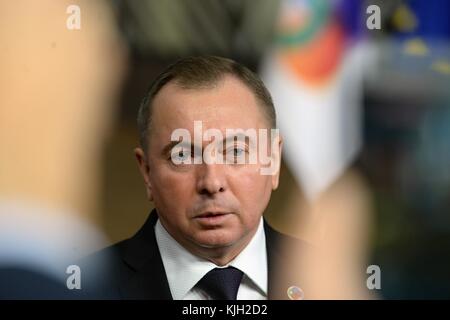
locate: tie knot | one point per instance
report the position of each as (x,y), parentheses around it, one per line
(221,283)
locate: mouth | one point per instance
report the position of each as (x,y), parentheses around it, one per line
(212,217)
(210,214)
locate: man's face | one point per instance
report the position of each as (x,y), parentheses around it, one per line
(206,205)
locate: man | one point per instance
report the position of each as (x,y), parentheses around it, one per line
(206,238)
(52,81)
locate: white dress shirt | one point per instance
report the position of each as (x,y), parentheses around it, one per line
(184,270)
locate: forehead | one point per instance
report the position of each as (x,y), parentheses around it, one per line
(227,104)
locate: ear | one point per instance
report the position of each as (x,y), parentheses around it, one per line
(144,168)
(277,147)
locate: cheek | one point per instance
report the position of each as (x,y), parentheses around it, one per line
(253,191)
(172,190)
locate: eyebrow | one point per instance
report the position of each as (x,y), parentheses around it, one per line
(168,147)
(239,136)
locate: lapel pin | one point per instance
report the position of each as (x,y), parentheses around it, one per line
(295,293)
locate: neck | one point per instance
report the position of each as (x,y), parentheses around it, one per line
(220,255)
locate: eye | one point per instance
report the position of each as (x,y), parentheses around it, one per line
(180,156)
(238,151)
(235,154)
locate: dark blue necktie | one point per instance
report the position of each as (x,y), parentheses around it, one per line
(221,283)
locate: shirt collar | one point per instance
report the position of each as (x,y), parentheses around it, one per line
(184,270)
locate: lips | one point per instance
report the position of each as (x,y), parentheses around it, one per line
(211,214)
(212,219)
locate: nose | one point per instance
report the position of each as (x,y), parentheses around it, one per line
(211,179)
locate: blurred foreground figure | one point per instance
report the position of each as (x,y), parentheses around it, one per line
(57,87)
(337,225)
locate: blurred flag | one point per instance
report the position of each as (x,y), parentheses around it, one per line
(314,73)
(421,32)
(421,18)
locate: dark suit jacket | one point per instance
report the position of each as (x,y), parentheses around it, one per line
(134,268)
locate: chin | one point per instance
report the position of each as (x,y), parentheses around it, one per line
(215,240)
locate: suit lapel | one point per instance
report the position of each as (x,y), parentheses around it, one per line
(273,258)
(279,246)
(147,279)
